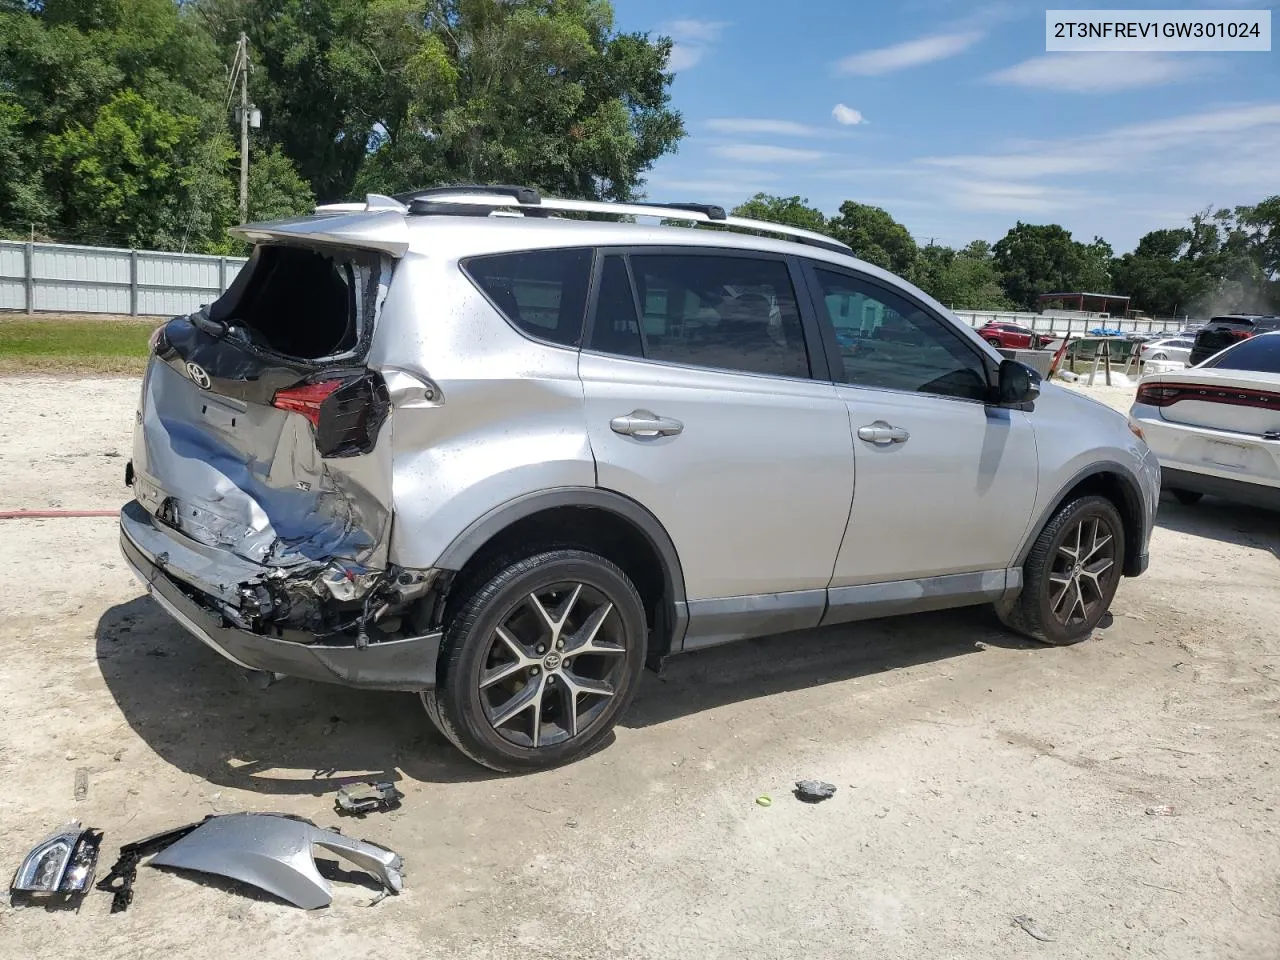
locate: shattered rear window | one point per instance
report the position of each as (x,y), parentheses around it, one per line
(302,302)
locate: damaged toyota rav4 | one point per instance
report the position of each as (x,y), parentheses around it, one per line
(461,444)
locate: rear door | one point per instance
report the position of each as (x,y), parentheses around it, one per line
(259,425)
(702,405)
(945,483)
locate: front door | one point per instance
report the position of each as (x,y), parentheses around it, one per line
(945,483)
(701,407)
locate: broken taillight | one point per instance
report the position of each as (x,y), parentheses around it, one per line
(305,399)
(347,413)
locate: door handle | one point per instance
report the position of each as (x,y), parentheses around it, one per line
(882,434)
(643,423)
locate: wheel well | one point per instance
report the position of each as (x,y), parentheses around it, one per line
(596,530)
(1126,501)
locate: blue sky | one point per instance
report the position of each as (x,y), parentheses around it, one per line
(951,116)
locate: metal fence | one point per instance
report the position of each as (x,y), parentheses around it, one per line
(72,279)
(1073,323)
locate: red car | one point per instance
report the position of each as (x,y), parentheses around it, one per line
(1010,336)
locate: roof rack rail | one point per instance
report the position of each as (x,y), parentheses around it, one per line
(523,195)
(487,200)
(713,211)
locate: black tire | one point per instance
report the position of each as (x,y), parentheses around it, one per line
(994,342)
(1038,611)
(512,594)
(1188,498)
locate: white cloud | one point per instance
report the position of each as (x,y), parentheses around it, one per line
(764,153)
(847,115)
(784,128)
(683,57)
(1170,143)
(693,40)
(913,53)
(1100,72)
(695,31)
(1014,198)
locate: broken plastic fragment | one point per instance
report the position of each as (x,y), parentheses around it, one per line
(273,853)
(814,791)
(61,864)
(358,799)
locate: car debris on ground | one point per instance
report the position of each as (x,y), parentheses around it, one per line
(367,796)
(273,852)
(814,791)
(59,868)
(270,851)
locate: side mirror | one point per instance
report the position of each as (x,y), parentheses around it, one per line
(1018,385)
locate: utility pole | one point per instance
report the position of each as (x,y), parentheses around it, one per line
(244,127)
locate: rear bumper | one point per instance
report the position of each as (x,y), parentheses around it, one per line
(402,664)
(1188,463)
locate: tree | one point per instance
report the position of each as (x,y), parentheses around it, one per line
(129,177)
(1035,259)
(114,128)
(792,211)
(874,236)
(386,95)
(963,280)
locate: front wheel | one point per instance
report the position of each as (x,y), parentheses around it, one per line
(994,342)
(541,656)
(1071,574)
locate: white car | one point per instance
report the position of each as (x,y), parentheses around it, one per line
(1216,428)
(1170,348)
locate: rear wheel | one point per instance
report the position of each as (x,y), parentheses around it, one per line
(1071,574)
(1188,498)
(994,342)
(1158,356)
(540,658)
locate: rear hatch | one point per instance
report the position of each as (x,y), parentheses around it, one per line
(1218,334)
(260,428)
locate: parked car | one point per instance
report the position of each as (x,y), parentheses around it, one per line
(1216,427)
(1010,336)
(1172,348)
(506,461)
(1221,332)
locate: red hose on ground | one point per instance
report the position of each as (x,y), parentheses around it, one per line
(54,514)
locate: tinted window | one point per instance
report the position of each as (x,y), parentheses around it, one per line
(1260,354)
(616,328)
(887,341)
(728,313)
(542,292)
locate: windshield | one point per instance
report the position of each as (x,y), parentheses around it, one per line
(1260,354)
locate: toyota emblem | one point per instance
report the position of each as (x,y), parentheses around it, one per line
(198,376)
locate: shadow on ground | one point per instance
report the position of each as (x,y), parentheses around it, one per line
(1218,519)
(206,717)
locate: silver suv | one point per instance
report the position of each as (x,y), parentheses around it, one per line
(458,443)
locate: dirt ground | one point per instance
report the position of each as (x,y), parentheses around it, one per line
(979,778)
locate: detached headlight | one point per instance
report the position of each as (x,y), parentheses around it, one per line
(61,863)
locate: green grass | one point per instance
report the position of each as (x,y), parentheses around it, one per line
(62,344)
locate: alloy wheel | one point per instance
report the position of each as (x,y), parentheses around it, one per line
(1083,563)
(553,664)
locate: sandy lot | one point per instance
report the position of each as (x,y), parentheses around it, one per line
(979,778)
